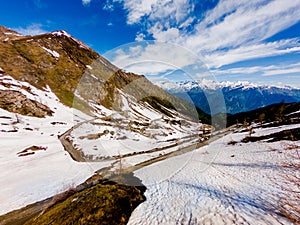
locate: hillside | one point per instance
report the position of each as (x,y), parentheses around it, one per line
(68,114)
(68,67)
(278,114)
(250,176)
(85,142)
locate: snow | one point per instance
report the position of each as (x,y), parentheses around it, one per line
(52,52)
(266,131)
(27,179)
(125,103)
(89,67)
(15,34)
(136,129)
(219,184)
(123,136)
(66,34)
(61,33)
(101,110)
(215,184)
(213,85)
(93,76)
(44,97)
(293,113)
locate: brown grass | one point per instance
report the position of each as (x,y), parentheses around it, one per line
(31,150)
(290,202)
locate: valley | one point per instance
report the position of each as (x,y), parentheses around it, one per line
(82,140)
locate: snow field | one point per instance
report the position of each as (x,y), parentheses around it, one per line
(220,184)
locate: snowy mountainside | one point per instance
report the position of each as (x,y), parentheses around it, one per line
(31,140)
(74,72)
(249,176)
(33,163)
(66,112)
(238,96)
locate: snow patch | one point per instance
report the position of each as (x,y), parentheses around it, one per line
(61,33)
(25,178)
(55,54)
(220,184)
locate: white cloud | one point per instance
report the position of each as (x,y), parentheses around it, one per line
(173,55)
(140,37)
(169,35)
(230,32)
(108,6)
(260,50)
(33,29)
(137,9)
(86,2)
(262,70)
(156,68)
(159,59)
(156,10)
(247,24)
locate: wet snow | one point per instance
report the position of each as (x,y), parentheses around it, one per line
(31,178)
(55,54)
(219,184)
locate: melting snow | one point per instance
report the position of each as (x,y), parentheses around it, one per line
(52,52)
(31,178)
(61,33)
(219,184)
(64,33)
(89,67)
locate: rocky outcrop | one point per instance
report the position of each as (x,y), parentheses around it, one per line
(17,102)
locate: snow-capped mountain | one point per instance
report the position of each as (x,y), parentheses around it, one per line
(69,118)
(238,96)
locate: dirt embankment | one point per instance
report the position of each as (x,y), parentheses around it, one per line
(97,201)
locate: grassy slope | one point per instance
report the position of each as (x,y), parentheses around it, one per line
(105,203)
(26,60)
(101,201)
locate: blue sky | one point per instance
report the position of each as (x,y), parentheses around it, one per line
(257,41)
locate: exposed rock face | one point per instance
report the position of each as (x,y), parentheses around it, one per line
(17,102)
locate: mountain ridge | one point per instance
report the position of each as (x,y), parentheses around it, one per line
(62,62)
(239,96)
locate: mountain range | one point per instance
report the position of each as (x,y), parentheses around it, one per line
(238,96)
(74,128)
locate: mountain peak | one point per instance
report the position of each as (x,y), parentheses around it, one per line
(61,33)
